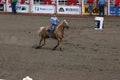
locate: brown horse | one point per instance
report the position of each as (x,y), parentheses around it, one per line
(58,34)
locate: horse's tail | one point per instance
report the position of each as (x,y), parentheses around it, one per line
(41,28)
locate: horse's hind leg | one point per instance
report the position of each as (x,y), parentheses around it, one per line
(44,42)
(40,42)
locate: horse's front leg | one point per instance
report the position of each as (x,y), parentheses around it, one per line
(58,45)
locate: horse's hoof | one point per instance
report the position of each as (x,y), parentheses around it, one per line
(37,47)
(61,49)
(54,49)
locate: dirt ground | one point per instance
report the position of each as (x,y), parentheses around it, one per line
(87,54)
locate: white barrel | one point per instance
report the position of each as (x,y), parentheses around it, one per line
(99,23)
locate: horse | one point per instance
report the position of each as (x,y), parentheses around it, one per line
(58,34)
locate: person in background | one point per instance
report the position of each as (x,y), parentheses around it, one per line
(90,2)
(54,21)
(101,5)
(14,6)
(117,2)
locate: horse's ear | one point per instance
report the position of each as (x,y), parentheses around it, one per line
(64,20)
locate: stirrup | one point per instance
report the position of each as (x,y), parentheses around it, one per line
(50,34)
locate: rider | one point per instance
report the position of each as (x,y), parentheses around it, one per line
(54,21)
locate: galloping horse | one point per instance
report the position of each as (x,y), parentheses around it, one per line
(58,34)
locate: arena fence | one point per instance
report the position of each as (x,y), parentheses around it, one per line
(71,7)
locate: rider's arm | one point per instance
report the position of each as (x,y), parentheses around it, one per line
(51,21)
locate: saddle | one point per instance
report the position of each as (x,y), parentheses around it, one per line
(51,32)
(51,35)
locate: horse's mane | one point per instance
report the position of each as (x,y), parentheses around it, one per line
(60,24)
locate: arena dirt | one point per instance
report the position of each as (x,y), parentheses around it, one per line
(87,54)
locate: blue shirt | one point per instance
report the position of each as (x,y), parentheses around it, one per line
(54,20)
(101,2)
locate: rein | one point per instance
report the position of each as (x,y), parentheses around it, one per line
(60,27)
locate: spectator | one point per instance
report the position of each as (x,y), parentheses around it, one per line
(48,2)
(14,6)
(90,2)
(71,2)
(101,5)
(117,2)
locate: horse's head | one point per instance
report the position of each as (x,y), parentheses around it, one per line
(65,23)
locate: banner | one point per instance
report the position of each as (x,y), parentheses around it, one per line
(112,10)
(19,8)
(94,12)
(50,9)
(69,10)
(22,8)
